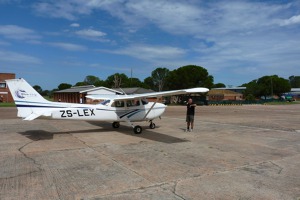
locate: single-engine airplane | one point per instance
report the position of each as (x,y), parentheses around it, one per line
(114,108)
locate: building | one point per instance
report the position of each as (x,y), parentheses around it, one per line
(223,94)
(5,95)
(294,94)
(233,89)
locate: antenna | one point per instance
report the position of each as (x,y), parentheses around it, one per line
(130,76)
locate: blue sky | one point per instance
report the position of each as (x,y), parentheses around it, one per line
(48,42)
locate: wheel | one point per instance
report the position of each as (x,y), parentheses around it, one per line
(137,129)
(116,124)
(152,125)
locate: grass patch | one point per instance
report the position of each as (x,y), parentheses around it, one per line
(283,103)
(7,105)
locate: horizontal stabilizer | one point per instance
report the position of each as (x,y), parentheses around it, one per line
(31,117)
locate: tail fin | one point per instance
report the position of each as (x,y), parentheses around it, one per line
(26,98)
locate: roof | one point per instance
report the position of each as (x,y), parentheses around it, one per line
(295,90)
(135,90)
(76,89)
(102,88)
(231,88)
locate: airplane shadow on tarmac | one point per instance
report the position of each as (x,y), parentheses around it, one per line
(36,135)
(147,133)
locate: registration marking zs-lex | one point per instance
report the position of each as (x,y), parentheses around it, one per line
(79,113)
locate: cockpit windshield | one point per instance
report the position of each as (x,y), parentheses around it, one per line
(105,103)
(144,101)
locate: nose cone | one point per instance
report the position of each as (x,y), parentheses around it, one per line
(160,109)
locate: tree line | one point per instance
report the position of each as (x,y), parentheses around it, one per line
(184,77)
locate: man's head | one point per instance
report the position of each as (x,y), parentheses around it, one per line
(190,100)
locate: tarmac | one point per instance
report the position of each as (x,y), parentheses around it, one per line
(235,152)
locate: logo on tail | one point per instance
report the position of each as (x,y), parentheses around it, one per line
(22,94)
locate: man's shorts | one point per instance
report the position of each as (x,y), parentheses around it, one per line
(190,118)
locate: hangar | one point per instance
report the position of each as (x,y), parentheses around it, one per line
(223,94)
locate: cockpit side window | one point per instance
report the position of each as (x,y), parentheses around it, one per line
(118,104)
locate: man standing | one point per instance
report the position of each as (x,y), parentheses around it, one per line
(190,113)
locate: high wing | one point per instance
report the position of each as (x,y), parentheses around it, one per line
(152,94)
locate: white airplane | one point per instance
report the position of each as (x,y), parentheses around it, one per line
(114,108)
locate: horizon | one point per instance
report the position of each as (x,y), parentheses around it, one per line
(236,41)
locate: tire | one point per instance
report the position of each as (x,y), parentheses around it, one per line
(137,129)
(152,126)
(115,124)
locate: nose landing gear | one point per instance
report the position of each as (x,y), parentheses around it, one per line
(152,125)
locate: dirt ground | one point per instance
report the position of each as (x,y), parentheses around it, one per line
(234,152)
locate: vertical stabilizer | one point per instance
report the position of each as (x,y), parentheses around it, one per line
(26,98)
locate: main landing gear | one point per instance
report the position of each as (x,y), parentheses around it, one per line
(136,129)
(116,124)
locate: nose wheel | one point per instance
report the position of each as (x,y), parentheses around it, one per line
(152,125)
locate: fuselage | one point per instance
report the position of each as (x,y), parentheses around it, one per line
(118,111)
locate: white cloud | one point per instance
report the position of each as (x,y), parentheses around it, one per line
(151,53)
(18,33)
(67,9)
(293,20)
(13,57)
(92,35)
(68,46)
(75,25)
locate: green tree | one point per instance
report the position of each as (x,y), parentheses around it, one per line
(294,81)
(91,80)
(267,86)
(219,85)
(188,77)
(82,83)
(159,76)
(117,80)
(135,82)
(148,83)
(38,89)
(64,86)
